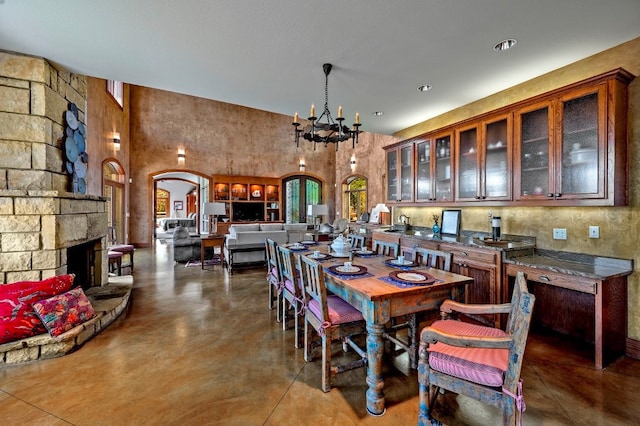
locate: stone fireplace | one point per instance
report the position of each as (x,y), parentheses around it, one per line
(45,230)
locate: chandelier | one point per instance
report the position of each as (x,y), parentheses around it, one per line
(331,131)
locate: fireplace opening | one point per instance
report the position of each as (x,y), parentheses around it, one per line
(83,260)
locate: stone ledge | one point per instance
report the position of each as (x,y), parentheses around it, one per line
(108,301)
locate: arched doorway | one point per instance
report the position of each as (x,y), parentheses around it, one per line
(354,202)
(177,198)
(113,188)
(299,192)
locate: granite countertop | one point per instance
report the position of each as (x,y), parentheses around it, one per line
(468,238)
(584,265)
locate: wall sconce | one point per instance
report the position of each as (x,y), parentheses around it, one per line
(303,167)
(116,141)
(181,157)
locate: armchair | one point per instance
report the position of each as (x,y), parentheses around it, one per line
(480,362)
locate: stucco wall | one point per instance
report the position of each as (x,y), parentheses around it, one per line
(618,225)
(218,138)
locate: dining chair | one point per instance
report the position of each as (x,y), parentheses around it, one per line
(483,363)
(125,249)
(357,241)
(433,259)
(273,276)
(386,248)
(292,297)
(331,318)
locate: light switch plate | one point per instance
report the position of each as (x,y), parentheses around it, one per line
(594,232)
(559,233)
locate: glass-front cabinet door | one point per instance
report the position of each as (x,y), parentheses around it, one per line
(468,183)
(484,152)
(400,174)
(392,176)
(443,167)
(533,130)
(424,187)
(496,180)
(582,134)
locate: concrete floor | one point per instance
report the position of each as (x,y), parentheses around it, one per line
(200,347)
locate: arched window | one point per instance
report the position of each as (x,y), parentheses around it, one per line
(354,203)
(299,192)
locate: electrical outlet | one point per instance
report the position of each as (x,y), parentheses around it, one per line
(559,233)
(594,232)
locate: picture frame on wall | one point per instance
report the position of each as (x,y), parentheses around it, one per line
(451,222)
(177,205)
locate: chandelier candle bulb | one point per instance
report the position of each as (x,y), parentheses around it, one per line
(357,120)
(295,118)
(340,111)
(313,111)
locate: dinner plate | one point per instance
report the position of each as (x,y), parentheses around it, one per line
(310,243)
(297,247)
(412,277)
(343,270)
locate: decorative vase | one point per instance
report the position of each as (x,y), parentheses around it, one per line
(435,228)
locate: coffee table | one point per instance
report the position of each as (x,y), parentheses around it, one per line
(245,248)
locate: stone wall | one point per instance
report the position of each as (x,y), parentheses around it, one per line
(39,219)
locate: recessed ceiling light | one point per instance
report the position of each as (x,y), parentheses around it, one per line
(424,88)
(377,113)
(505,45)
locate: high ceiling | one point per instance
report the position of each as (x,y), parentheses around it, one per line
(269,54)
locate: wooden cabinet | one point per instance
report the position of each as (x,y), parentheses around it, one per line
(484,266)
(590,309)
(248,198)
(565,147)
(400,174)
(483,160)
(571,147)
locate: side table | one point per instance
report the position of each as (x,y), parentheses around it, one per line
(214,241)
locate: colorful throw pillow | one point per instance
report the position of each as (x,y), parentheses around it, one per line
(18,320)
(64,311)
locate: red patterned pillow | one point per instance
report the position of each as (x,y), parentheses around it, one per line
(64,311)
(17,317)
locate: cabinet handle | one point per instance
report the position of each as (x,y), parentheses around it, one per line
(558,195)
(550,195)
(478,197)
(544,278)
(463,253)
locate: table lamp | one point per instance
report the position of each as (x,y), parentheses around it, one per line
(317,211)
(213,210)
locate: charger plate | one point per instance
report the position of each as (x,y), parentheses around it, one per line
(412,277)
(342,270)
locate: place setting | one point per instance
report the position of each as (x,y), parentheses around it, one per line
(348,271)
(297,247)
(401,263)
(408,279)
(318,256)
(364,253)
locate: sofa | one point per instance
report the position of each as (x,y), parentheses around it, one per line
(185,247)
(257,233)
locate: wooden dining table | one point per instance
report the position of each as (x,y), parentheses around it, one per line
(379,301)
